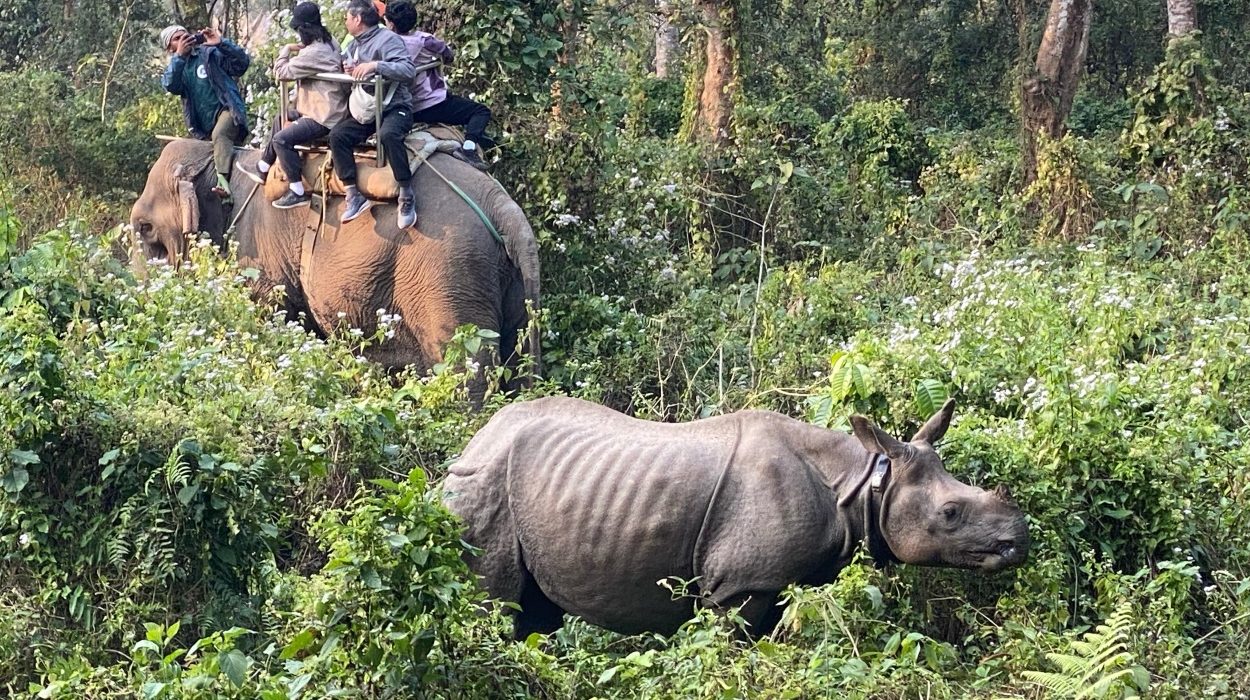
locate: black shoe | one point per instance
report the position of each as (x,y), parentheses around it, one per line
(290,200)
(472,158)
(254,175)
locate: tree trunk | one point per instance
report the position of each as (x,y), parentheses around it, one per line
(566,59)
(1182,18)
(1046,94)
(192,14)
(715,92)
(665,39)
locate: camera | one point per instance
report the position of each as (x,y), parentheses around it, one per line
(198,38)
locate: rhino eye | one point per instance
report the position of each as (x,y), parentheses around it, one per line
(950,511)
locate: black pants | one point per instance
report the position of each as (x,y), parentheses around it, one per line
(349,133)
(459,111)
(302,130)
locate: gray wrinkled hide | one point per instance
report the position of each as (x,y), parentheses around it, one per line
(595,507)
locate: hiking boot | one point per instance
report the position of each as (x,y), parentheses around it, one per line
(254,175)
(354,204)
(290,200)
(407,208)
(472,157)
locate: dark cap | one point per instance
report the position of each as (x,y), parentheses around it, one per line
(306,14)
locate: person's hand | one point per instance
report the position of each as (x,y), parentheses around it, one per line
(212,37)
(291,47)
(184,44)
(364,70)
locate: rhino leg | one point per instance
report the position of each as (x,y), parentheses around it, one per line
(538,613)
(759,610)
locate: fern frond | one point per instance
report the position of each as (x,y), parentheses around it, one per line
(1099,665)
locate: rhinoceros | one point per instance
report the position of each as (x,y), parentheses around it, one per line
(576,508)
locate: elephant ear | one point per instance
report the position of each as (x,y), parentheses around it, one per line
(188,202)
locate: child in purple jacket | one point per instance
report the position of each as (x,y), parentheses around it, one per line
(431,103)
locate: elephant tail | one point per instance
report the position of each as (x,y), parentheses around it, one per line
(522,248)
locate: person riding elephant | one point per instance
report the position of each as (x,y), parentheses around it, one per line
(451,273)
(431,101)
(376,49)
(319,104)
(203,70)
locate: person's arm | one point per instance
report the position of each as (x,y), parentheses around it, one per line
(311,60)
(396,64)
(234,58)
(171,80)
(439,48)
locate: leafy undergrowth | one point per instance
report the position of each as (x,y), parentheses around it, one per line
(202,499)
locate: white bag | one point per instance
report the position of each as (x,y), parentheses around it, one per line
(363,106)
(360,102)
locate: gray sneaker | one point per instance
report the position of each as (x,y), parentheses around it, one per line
(406,213)
(290,200)
(407,209)
(354,204)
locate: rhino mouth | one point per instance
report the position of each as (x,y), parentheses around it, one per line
(1000,556)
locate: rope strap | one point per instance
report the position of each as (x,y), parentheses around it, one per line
(468,200)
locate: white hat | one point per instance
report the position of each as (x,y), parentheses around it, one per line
(168,33)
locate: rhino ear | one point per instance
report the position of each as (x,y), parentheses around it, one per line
(936,426)
(875,439)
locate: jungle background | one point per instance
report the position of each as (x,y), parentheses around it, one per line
(818,207)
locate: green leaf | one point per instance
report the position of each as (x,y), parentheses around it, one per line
(23,457)
(15,480)
(607,675)
(840,382)
(186,493)
(397,540)
(297,644)
(234,664)
(296,685)
(930,395)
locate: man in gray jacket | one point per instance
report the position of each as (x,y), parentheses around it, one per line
(376,49)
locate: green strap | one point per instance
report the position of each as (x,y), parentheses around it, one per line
(468,200)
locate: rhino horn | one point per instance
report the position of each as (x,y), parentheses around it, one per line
(936,426)
(875,439)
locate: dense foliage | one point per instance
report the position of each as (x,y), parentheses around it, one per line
(201,498)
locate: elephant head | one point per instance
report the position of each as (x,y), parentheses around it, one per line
(177,201)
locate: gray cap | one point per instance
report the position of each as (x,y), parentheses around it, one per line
(168,33)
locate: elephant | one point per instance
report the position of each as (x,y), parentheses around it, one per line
(445,272)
